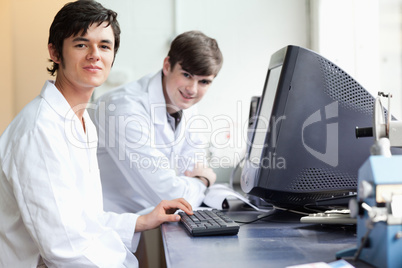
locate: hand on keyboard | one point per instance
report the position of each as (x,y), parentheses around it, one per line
(209,222)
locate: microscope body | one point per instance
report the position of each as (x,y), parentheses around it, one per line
(378,207)
(379,223)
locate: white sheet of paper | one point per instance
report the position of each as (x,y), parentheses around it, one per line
(217,193)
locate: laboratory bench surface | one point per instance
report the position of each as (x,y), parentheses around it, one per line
(279,240)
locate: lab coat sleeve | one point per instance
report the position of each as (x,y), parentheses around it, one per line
(144,166)
(55,208)
(124,225)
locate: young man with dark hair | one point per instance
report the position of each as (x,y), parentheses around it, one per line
(50,192)
(148,149)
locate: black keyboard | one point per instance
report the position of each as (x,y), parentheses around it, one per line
(209,222)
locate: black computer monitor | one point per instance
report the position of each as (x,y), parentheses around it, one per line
(303,151)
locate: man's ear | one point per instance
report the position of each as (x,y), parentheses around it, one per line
(166,66)
(54,56)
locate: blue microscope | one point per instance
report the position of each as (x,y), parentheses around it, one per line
(378,207)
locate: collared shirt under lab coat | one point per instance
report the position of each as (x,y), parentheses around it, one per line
(142,160)
(50,192)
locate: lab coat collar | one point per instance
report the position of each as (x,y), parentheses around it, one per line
(73,126)
(58,103)
(55,99)
(157,100)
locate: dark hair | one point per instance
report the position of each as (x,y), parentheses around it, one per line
(75,18)
(196,53)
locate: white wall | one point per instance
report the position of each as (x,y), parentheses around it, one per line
(390,57)
(248,33)
(363,37)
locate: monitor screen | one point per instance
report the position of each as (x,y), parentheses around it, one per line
(262,125)
(303,152)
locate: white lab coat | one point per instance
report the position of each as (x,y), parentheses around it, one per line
(50,192)
(142,159)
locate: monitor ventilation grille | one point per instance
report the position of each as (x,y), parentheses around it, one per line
(343,88)
(316,179)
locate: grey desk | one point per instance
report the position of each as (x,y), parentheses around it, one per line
(276,241)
